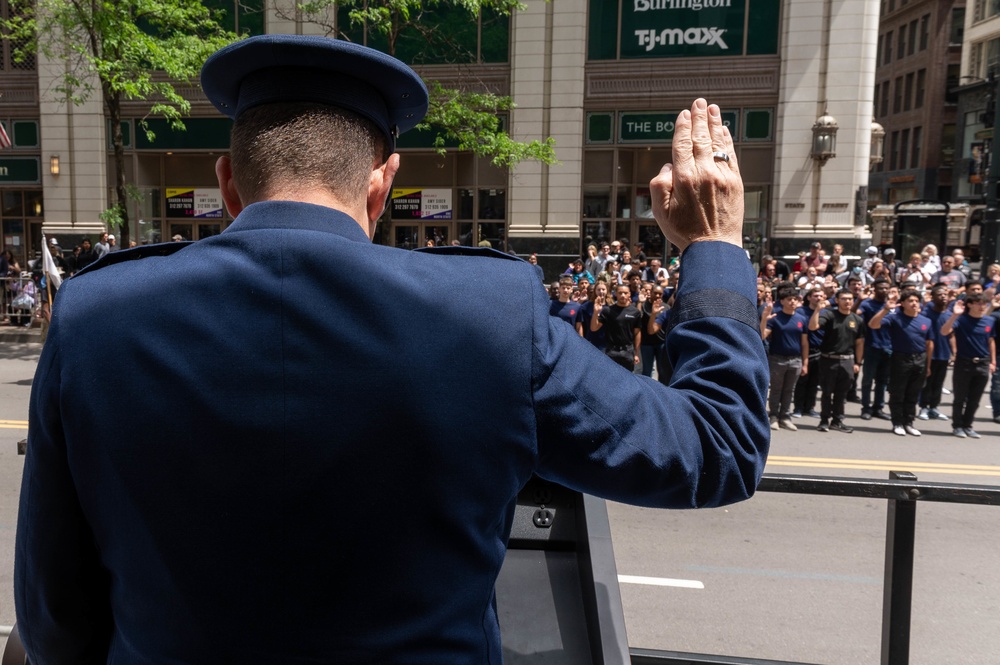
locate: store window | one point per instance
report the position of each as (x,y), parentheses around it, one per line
(244,17)
(20,220)
(9,60)
(454,198)
(444,35)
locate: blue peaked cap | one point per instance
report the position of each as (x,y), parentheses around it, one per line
(293,68)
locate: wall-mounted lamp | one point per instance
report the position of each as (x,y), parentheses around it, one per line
(824,145)
(54,164)
(878,144)
(38,208)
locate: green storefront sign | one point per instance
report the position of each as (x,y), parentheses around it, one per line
(672,28)
(687,28)
(659,127)
(20,171)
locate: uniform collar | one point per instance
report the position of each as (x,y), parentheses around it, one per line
(298,216)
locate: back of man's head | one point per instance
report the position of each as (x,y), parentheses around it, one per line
(302,146)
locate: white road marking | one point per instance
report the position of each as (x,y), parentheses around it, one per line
(660,581)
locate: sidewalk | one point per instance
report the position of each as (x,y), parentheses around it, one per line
(20,335)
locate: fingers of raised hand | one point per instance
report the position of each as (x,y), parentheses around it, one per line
(702,144)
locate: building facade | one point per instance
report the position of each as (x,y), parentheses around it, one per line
(604,78)
(918,54)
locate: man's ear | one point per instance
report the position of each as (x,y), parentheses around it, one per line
(380,187)
(224,174)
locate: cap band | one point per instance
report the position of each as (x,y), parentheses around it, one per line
(298,84)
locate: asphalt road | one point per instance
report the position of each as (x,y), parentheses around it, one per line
(781,576)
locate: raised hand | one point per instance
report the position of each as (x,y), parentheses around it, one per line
(700,195)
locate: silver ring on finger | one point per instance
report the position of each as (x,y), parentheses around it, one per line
(720,156)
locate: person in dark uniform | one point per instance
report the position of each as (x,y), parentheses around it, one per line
(841,354)
(912,338)
(281,488)
(806,386)
(787,355)
(930,396)
(878,352)
(621,323)
(975,359)
(565,307)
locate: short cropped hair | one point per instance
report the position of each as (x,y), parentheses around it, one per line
(277,146)
(784,291)
(909,293)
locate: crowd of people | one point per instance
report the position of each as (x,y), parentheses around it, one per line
(24,287)
(898,327)
(619,302)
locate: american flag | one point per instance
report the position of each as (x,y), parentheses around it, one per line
(4,139)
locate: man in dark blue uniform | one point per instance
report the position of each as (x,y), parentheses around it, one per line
(278,486)
(805,387)
(912,337)
(930,396)
(975,359)
(878,352)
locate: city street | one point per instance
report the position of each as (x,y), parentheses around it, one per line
(782,576)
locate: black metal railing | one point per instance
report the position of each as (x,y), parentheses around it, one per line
(902,490)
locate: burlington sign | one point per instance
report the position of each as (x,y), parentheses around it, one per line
(672,28)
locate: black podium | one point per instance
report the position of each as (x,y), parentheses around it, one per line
(557,594)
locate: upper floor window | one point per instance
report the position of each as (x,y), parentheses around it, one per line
(244,17)
(8,61)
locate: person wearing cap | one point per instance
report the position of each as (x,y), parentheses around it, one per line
(871,254)
(112,243)
(892,266)
(299,478)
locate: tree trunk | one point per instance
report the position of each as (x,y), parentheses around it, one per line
(113,102)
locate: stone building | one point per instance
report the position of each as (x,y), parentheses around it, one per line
(605,78)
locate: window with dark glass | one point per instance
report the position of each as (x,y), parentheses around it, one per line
(918,135)
(884,111)
(957,25)
(244,17)
(9,62)
(904,147)
(918,102)
(888,48)
(901,45)
(443,35)
(908,92)
(893,150)
(925,30)
(912,38)
(897,98)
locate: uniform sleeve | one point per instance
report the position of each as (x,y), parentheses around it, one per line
(61,592)
(703,440)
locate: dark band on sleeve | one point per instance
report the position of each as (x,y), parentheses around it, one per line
(713,302)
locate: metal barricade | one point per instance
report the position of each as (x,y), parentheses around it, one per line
(15,290)
(902,491)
